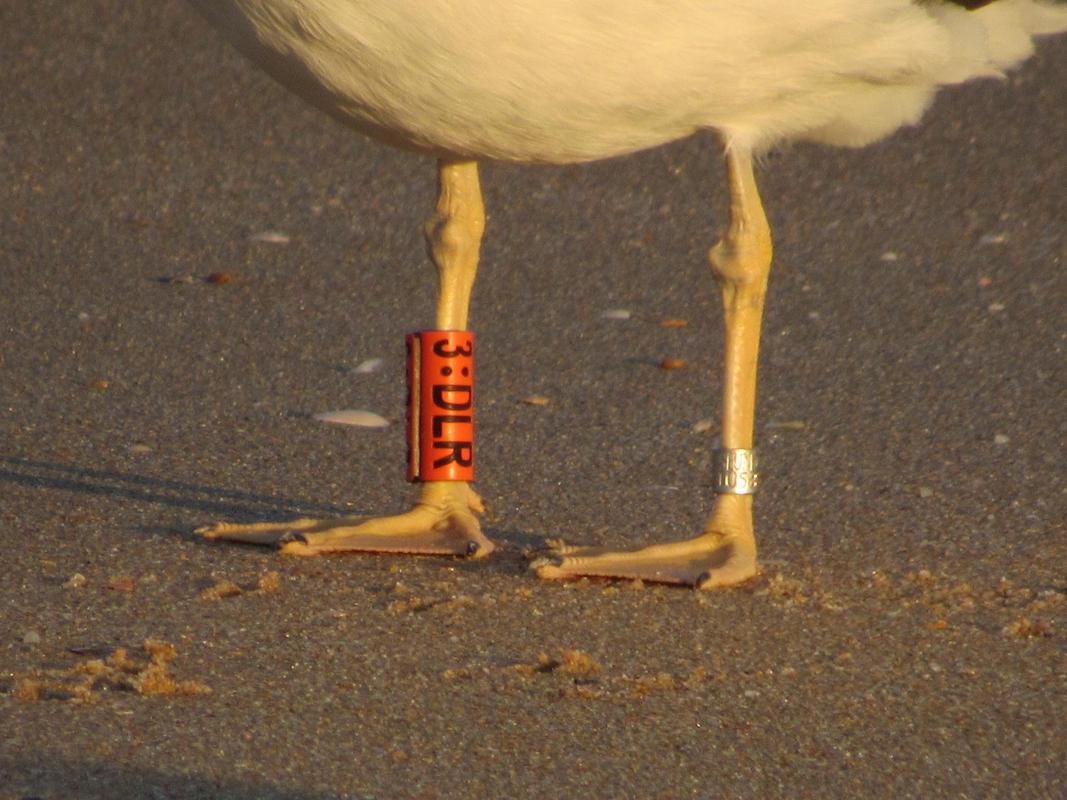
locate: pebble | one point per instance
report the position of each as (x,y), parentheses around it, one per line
(31,637)
(673,363)
(122,583)
(925,491)
(703,425)
(1000,438)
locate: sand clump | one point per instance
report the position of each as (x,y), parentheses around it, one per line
(223,588)
(146,671)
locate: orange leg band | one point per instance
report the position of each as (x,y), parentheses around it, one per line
(441,406)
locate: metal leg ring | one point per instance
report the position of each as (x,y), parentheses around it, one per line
(735,471)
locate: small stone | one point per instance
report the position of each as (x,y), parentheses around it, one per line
(925,492)
(1000,438)
(222,588)
(703,425)
(122,583)
(673,363)
(31,637)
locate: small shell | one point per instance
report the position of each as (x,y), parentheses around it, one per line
(787,425)
(353,416)
(270,237)
(368,366)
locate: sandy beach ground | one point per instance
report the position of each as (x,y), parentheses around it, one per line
(192,264)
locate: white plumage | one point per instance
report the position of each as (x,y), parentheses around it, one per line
(561,81)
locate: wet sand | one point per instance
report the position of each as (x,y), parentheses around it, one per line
(906,637)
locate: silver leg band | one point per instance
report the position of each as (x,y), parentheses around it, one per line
(735,471)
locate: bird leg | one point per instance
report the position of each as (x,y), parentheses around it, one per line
(443,521)
(725,553)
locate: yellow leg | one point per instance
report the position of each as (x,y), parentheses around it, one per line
(725,553)
(443,521)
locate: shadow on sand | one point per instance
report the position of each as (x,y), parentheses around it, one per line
(45,777)
(214,502)
(211,500)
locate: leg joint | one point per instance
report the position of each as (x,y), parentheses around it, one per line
(741,259)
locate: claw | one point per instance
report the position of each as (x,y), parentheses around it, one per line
(292,536)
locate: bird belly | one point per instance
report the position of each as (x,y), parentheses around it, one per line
(405,73)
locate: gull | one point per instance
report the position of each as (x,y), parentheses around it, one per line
(566,81)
